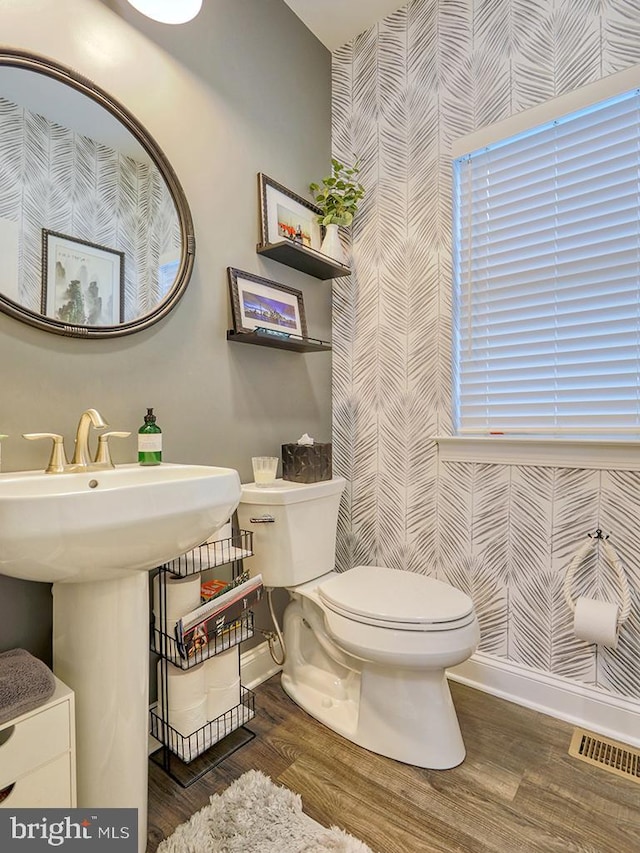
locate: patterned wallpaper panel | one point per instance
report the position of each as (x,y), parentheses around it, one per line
(52,177)
(402,91)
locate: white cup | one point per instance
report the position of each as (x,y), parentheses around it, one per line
(264,469)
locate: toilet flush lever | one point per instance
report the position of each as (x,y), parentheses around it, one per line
(262,519)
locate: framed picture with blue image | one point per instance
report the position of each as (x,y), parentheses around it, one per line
(258,302)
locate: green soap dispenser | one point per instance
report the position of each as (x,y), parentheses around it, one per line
(149,441)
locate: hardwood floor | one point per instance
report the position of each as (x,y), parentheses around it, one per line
(518,791)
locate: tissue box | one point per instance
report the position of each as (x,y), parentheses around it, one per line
(308,463)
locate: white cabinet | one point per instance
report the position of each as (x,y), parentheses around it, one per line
(38,755)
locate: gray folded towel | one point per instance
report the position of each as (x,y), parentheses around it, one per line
(25,683)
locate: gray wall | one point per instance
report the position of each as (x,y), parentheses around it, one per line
(427,74)
(243,88)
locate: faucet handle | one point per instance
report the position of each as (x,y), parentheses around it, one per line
(103,456)
(58,458)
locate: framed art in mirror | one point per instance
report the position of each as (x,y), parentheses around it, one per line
(258,303)
(82,282)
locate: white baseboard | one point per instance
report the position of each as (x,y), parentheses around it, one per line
(257,665)
(580,705)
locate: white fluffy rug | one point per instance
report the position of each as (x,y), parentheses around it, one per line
(255,816)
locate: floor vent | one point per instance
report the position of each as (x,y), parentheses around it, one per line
(608,754)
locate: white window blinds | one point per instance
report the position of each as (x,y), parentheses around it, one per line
(547,277)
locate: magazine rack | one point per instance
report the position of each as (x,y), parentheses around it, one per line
(188,757)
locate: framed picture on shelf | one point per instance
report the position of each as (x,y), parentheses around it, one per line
(287,216)
(82,282)
(259,302)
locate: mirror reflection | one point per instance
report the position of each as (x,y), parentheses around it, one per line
(95,233)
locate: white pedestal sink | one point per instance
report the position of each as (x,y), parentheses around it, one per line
(95,535)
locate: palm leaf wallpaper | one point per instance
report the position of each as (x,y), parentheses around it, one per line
(55,178)
(402,91)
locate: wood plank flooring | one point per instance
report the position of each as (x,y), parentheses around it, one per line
(518,791)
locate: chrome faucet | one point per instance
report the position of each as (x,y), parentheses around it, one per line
(90,417)
(81,461)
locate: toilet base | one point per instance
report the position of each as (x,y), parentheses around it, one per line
(405,715)
(339,715)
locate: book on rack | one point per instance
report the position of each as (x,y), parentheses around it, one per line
(208,621)
(212,589)
(215,587)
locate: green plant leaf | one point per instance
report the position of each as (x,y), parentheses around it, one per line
(339,194)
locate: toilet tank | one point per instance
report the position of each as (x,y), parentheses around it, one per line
(300,544)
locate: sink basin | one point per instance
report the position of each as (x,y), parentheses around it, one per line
(109,527)
(101,525)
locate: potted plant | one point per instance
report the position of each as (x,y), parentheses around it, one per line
(337,197)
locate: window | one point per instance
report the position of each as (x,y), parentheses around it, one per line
(547,268)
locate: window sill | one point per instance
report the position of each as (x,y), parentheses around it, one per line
(603,454)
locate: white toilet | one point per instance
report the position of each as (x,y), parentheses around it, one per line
(366,649)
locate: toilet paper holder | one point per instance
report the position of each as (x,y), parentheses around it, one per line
(598,535)
(614,564)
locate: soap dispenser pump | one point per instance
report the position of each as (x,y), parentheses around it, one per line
(149,441)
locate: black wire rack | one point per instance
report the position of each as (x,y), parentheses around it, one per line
(210,555)
(188,756)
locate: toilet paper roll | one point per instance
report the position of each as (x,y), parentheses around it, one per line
(185,687)
(189,720)
(222,669)
(183,595)
(222,699)
(596,622)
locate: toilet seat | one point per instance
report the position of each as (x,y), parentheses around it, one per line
(396,599)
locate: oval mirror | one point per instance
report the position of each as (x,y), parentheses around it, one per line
(96,236)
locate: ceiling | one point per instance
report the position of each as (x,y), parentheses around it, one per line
(335,22)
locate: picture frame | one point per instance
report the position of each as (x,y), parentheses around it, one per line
(82,282)
(258,302)
(285,215)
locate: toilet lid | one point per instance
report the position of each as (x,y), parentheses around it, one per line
(395,598)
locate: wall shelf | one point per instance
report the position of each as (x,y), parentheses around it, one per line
(304,259)
(266,338)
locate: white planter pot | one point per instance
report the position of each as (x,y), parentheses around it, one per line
(331,245)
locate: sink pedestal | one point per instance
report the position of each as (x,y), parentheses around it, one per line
(101,650)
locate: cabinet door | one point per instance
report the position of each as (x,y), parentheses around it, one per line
(49,786)
(33,741)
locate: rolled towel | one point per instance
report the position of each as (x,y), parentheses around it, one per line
(25,683)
